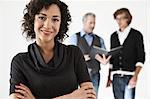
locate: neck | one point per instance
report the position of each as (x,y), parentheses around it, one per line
(46,47)
(122,28)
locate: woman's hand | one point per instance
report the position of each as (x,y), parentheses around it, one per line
(14,96)
(86,91)
(24,92)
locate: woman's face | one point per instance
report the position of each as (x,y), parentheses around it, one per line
(47,23)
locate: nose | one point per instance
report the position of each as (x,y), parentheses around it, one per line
(48,24)
(92,26)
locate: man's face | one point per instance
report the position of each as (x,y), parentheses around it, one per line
(89,24)
(122,20)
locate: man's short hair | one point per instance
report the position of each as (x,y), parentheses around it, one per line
(121,11)
(88,14)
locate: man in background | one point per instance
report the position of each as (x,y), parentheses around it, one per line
(85,39)
(126,66)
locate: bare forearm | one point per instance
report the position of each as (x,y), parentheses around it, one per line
(137,70)
(14,96)
(67,96)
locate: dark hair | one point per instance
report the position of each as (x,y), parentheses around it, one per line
(34,7)
(121,11)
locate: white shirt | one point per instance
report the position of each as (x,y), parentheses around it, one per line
(123,35)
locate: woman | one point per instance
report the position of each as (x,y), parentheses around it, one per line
(49,69)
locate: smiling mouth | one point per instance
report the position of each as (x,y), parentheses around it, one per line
(46,32)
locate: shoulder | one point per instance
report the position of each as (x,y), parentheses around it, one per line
(75,34)
(99,37)
(114,33)
(135,32)
(18,60)
(18,57)
(70,48)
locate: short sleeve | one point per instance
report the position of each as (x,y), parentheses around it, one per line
(81,67)
(16,76)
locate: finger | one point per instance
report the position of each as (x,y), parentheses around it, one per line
(20,87)
(29,93)
(131,84)
(104,57)
(86,84)
(108,58)
(21,92)
(23,87)
(20,96)
(86,87)
(91,96)
(108,85)
(90,91)
(99,58)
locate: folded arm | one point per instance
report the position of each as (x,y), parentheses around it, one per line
(84,92)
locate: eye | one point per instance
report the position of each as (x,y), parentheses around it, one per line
(56,20)
(42,18)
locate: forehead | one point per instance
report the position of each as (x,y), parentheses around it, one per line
(52,9)
(121,15)
(90,18)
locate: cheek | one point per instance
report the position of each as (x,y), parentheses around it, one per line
(37,25)
(87,26)
(57,27)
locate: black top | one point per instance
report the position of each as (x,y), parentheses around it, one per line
(61,75)
(131,53)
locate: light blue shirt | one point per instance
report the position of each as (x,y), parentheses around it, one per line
(72,40)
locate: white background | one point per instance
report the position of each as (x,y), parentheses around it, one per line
(12,41)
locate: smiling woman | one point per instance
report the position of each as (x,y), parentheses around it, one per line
(12,41)
(46,70)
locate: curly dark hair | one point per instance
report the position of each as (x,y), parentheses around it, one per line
(34,7)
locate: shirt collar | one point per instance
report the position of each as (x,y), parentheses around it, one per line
(126,31)
(82,33)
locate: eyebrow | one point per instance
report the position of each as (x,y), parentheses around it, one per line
(46,15)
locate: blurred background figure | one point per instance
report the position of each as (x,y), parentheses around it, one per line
(126,66)
(85,39)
